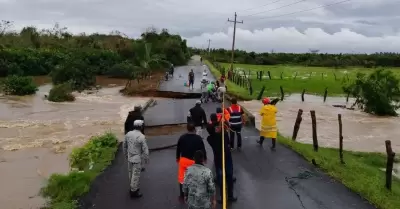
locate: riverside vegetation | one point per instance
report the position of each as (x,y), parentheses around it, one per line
(77,59)
(87,162)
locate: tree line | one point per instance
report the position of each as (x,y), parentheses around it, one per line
(313,58)
(77,59)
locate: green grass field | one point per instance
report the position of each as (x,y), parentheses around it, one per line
(313,79)
(361,173)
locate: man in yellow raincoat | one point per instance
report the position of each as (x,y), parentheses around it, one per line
(268,123)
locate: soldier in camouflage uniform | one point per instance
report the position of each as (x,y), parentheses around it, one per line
(198,186)
(136,151)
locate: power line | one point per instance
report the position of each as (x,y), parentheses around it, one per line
(306,10)
(287,5)
(259,6)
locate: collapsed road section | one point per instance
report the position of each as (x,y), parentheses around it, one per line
(265,179)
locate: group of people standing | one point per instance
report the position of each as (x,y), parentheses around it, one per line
(196,181)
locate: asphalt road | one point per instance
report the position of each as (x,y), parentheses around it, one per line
(176,83)
(265,179)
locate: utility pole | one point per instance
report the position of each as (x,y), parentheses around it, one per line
(208,49)
(234,37)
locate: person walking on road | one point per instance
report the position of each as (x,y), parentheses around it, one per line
(236,121)
(187,145)
(268,123)
(136,114)
(198,185)
(191,78)
(198,117)
(204,91)
(135,150)
(214,129)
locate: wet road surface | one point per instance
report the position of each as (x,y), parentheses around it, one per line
(261,181)
(265,179)
(176,83)
(173,111)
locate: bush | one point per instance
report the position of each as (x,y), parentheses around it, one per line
(121,70)
(378,93)
(90,160)
(19,85)
(61,93)
(75,71)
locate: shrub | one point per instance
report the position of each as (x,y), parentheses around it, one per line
(19,85)
(121,70)
(64,189)
(61,93)
(80,75)
(377,93)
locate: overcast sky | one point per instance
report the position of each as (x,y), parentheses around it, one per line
(352,26)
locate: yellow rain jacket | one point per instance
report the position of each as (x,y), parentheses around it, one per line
(268,121)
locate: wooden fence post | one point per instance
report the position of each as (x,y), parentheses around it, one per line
(250,87)
(281,75)
(282,93)
(297,124)
(314,130)
(325,94)
(302,95)
(258,75)
(269,75)
(340,138)
(389,164)
(334,74)
(261,74)
(261,93)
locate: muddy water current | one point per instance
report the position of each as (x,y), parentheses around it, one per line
(36,137)
(361,131)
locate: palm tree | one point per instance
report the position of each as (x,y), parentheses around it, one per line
(147,62)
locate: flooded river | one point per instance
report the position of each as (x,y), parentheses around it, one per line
(361,131)
(36,136)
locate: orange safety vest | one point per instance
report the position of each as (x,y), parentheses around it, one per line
(235,115)
(219,116)
(226,114)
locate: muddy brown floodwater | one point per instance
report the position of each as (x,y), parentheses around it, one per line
(361,131)
(36,136)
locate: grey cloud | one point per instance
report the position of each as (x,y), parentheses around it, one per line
(370,18)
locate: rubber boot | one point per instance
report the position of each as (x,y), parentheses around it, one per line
(260,141)
(273,144)
(135,194)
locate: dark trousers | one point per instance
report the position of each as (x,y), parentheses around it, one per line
(238,131)
(229,179)
(191,82)
(273,140)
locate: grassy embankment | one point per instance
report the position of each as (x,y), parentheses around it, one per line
(87,162)
(361,173)
(321,78)
(233,89)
